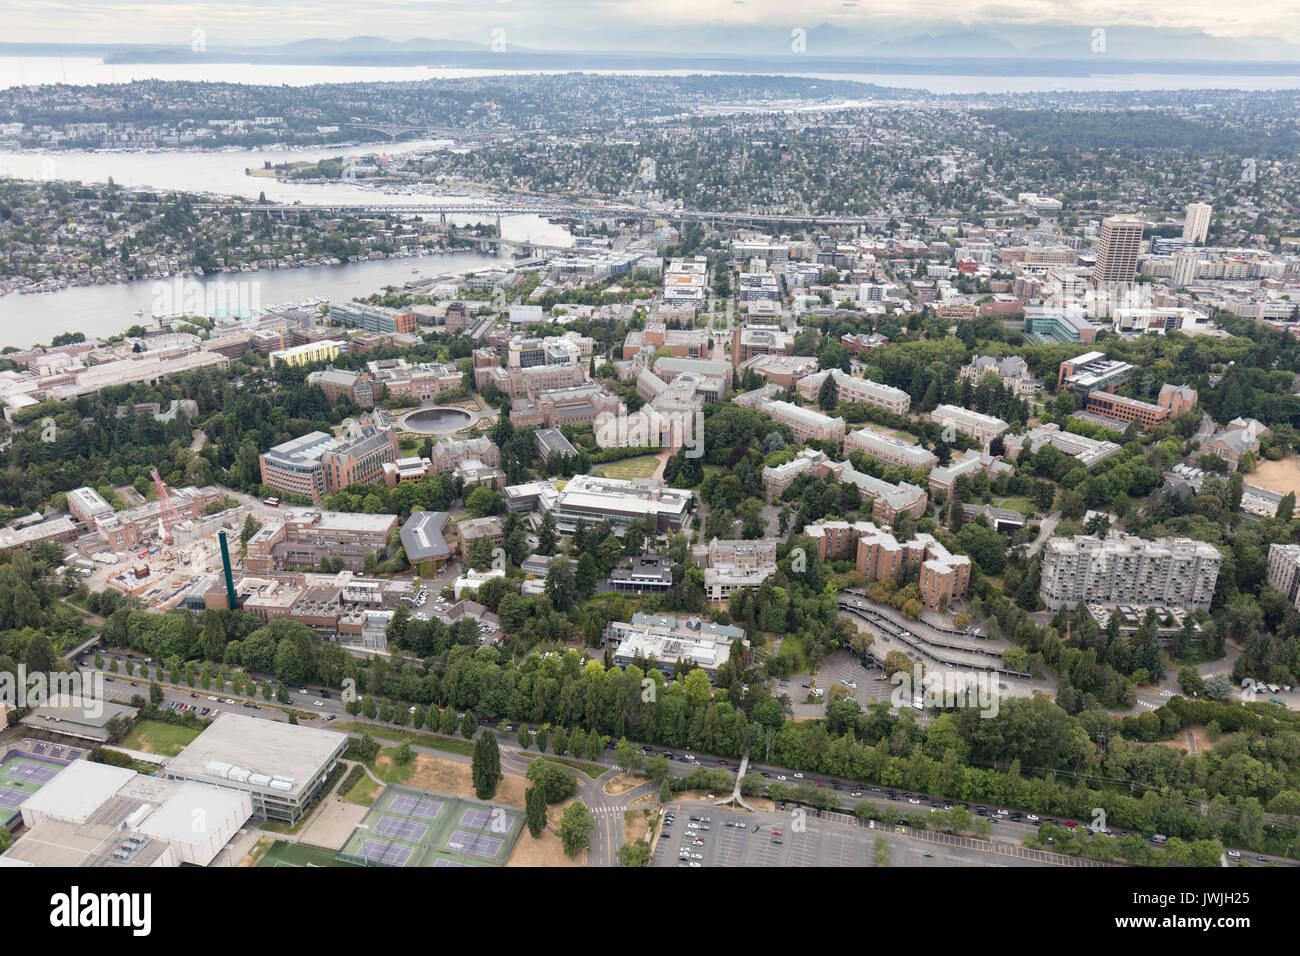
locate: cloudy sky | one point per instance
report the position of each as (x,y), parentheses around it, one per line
(585,24)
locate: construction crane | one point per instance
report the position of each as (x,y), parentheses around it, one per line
(168,516)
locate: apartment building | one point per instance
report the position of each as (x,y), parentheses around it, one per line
(307,353)
(983,428)
(944,578)
(1118,245)
(852,389)
(1124,569)
(887,500)
(737,564)
(1196,225)
(1284,571)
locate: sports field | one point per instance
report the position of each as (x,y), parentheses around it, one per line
(642,467)
(410,827)
(283,853)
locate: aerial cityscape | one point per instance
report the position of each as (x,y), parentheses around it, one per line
(818,445)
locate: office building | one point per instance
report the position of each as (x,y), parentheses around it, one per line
(592,499)
(1087,451)
(666,642)
(302,537)
(1124,569)
(317,463)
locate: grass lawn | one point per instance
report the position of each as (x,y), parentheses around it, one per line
(156,737)
(642,467)
(364,793)
(1023,505)
(401,735)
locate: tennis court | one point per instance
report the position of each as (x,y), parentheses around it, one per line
(21,775)
(410,827)
(388,826)
(31,771)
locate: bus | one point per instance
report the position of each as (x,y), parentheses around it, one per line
(272,502)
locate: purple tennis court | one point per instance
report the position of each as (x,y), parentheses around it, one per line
(442,862)
(476,818)
(30,771)
(389,853)
(474,843)
(392,827)
(12,798)
(416,806)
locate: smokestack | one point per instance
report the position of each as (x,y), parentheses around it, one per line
(230,578)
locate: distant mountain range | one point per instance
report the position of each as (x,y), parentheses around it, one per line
(1092,49)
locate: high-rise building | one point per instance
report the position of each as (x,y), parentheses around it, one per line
(1186,262)
(1123,569)
(1197,224)
(1117,249)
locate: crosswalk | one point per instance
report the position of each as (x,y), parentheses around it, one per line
(609,811)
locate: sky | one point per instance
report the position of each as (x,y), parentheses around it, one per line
(588,24)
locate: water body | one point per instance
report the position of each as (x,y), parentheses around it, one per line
(104,310)
(436,421)
(80,71)
(109,309)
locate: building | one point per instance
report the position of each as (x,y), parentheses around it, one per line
(551,443)
(781,369)
(1123,569)
(301,538)
(86,504)
(889,451)
(471,529)
(887,500)
(98,815)
(307,353)
(423,541)
(738,564)
(1087,451)
(373,318)
(944,478)
(753,340)
(642,575)
(1012,372)
(1284,571)
(851,389)
(1045,324)
(1240,437)
(281,766)
(1118,245)
(317,463)
(944,578)
(1172,400)
(125,529)
(667,642)
(1197,224)
(806,424)
(1158,320)
(1092,372)
(344,384)
(593,500)
(983,428)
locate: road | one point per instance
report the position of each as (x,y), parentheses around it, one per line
(607,810)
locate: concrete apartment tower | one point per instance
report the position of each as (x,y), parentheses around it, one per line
(1197,224)
(1117,249)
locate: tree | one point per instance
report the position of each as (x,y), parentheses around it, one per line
(155,694)
(535,811)
(634,854)
(829,395)
(524,737)
(560,584)
(486,766)
(576,825)
(547,541)
(468,724)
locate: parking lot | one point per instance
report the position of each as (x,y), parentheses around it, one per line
(806,841)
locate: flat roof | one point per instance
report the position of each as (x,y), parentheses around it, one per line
(266,747)
(196,811)
(78,790)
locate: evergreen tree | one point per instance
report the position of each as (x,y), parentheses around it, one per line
(485,767)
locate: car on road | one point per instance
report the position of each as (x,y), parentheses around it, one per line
(776,840)
(780,776)
(776,832)
(798,776)
(914,800)
(722,763)
(329,718)
(696,863)
(319,703)
(195,696)
(1071,824)
(699,843)
(212,698)
(927,853)
(697,856)
(1032,818)
(687,757)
